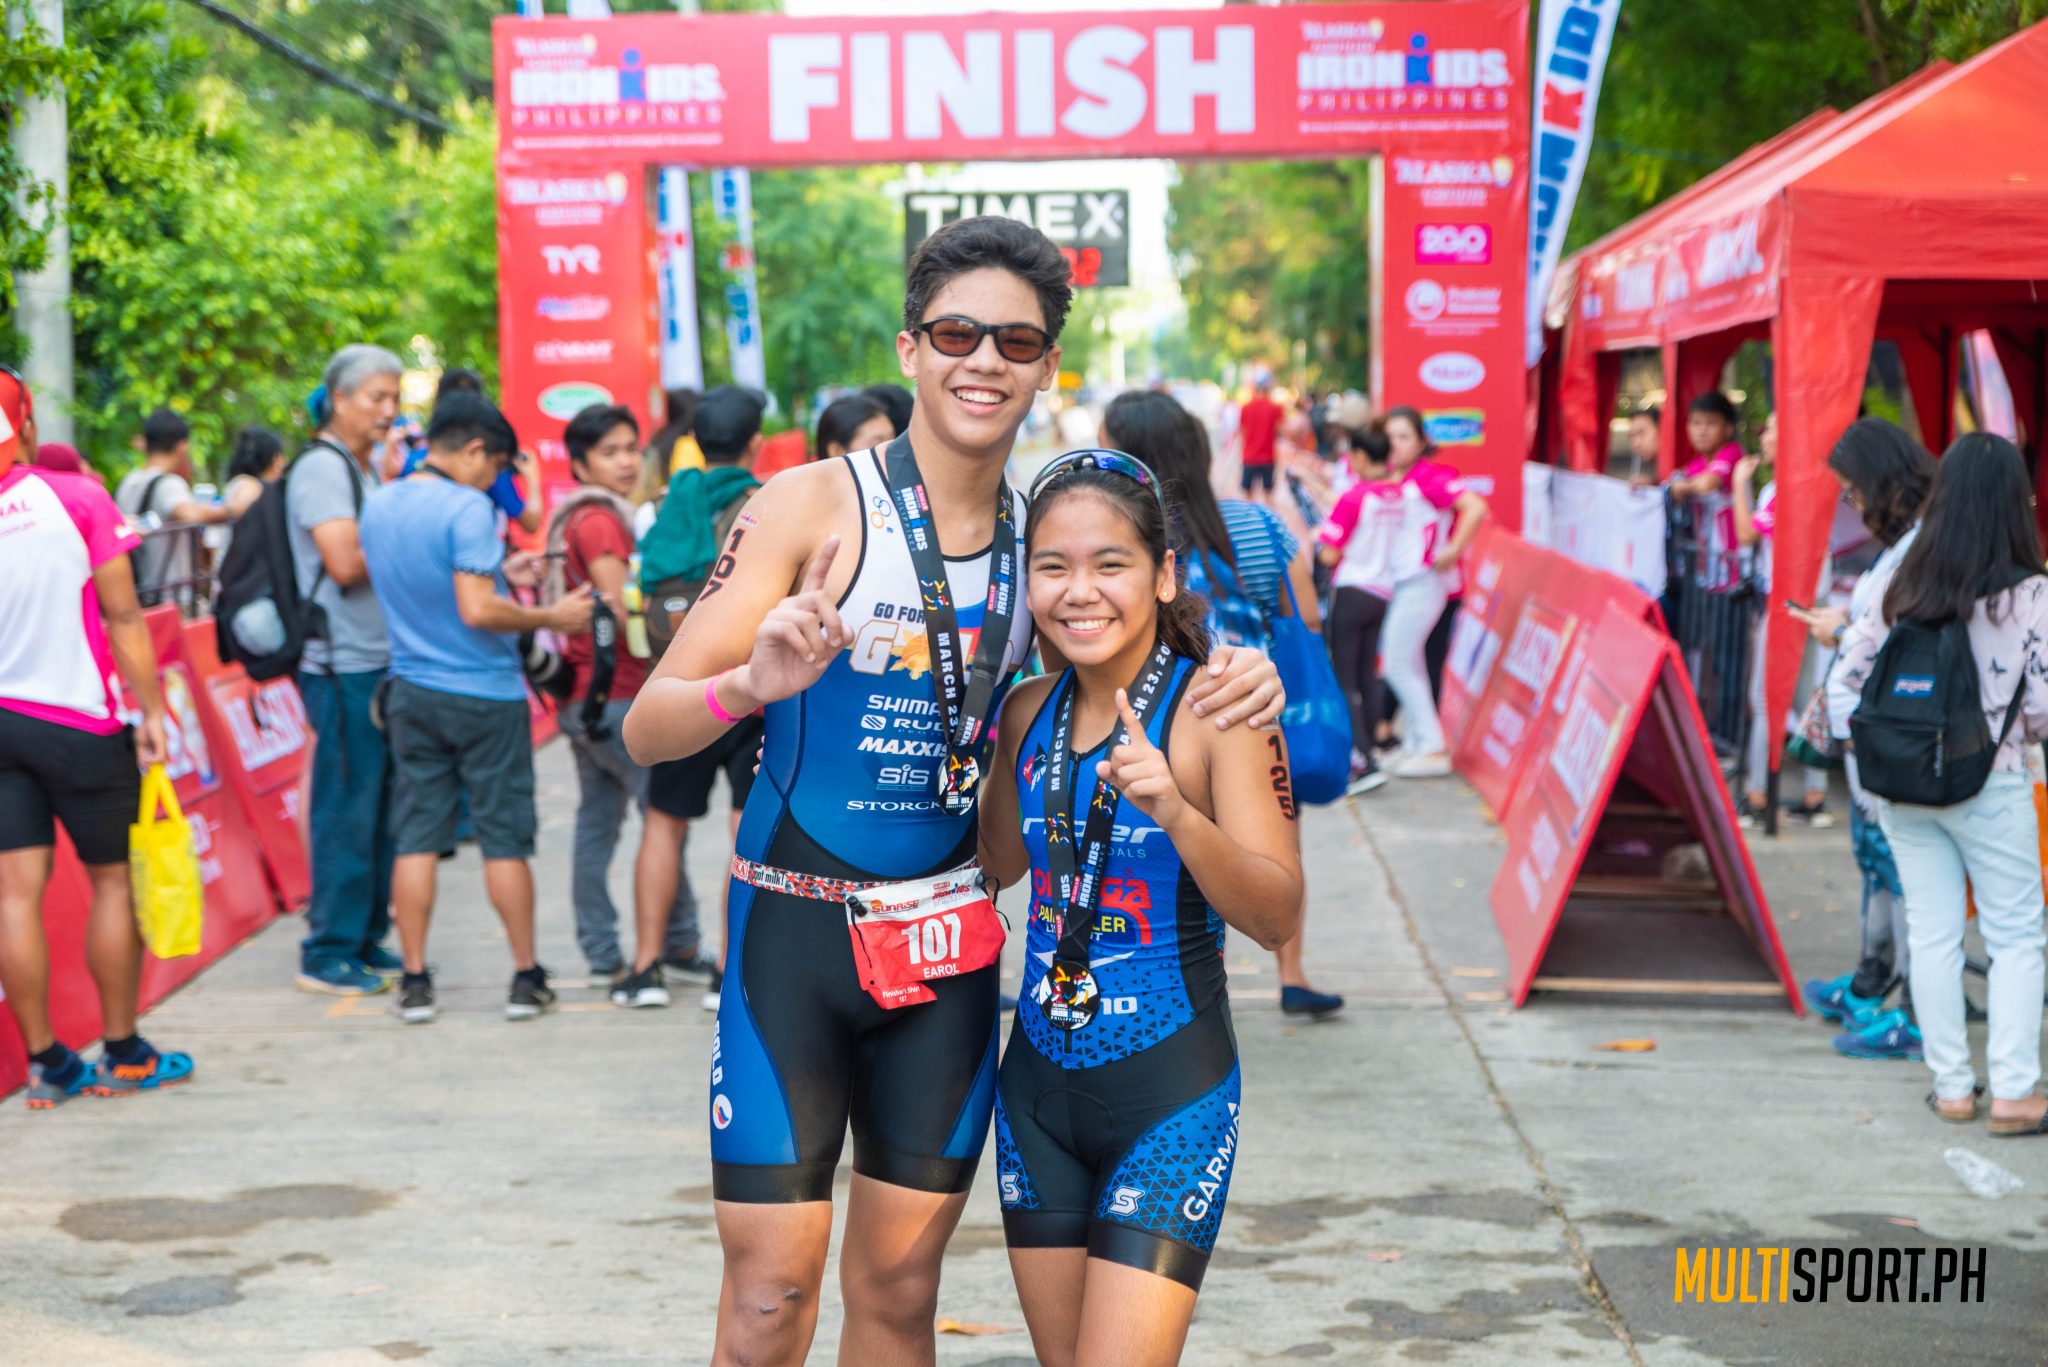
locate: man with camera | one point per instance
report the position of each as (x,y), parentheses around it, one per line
(455,713)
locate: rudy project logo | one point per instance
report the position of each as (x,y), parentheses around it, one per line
(1452,372)
(573,308)
(1455,426)
(565,401)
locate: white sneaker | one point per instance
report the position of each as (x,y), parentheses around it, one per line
(1421,766)
(711,1001)
(1366,782)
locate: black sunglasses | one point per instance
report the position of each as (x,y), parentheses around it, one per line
(1098,458)
(956,336)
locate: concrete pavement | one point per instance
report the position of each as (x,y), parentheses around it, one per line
(1431,1177)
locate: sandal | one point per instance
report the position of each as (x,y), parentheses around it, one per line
(1952,1111)
(2017,1129)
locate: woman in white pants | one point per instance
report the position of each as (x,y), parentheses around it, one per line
(1439,518)
(1978,558)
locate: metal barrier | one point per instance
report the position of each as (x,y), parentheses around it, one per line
(1712,602)
(175,565)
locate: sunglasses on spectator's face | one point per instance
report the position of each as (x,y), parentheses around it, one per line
(956,336)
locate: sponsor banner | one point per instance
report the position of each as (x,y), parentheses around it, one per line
(732,200)
(269,746)
(1703,280)
(1092,227)
(1572,41)
(765,90)
(578,304)
(1620,717)
(682,351)
(1450,258)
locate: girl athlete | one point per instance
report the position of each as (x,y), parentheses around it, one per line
(1144,833)
(875,605)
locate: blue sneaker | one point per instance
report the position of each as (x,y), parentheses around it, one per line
(1889,1035)
(383,962)
(153,1071)
(1306,1001)
(1832,1000)
(342,978)
(49,1088)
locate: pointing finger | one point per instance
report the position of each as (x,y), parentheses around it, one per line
(820,566)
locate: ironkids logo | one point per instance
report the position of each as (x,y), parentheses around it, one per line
(996,84)
(631,82)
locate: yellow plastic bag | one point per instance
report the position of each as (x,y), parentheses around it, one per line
(163,870)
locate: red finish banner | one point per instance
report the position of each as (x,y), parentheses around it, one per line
(766,90)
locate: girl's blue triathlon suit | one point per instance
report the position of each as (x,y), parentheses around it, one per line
(848,790)
(1120,1136)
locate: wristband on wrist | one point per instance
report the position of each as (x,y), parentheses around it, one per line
(711,702)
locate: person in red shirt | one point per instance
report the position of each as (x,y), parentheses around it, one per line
(69,619)
(592,531)
(1258,431)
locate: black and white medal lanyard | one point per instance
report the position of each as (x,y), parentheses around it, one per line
(1071,999)
(965,691)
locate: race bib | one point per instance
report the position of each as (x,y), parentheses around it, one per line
(910,934)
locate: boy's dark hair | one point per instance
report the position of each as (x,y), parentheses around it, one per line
(1717,403)
(894,400)
(1654,414)
(593,424)
(458,380)
(728,420)
(162,430)
(1372,443)
(462,418)
(989,242)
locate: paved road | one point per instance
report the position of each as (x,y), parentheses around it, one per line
(1430,1178)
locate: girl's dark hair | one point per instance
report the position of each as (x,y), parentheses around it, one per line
(1184,622)
(842,418)
(679,407)
(1159,432)
(1717,403)
(895,400)
(1371,442)
(1889,471)
(989,242)
(1977,536)
(1414,419)
(255,449)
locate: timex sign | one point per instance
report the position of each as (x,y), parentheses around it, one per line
(1091,227)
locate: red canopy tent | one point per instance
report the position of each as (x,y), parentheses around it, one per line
(1917,216)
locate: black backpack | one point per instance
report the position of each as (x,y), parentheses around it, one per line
(1919,731)
(260,619)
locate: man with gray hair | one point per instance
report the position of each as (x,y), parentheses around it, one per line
(345,660)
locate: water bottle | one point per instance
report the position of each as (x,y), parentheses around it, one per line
(1982,1176)
(636,612)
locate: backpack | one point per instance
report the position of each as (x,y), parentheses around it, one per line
(668,599)
(1234,619)
(151,596)
(260,619)
(1919,730)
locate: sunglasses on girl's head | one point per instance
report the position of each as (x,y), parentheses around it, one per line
(956,336)
(1111,462)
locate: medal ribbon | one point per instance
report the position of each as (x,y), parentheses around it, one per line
(965,690)
(1080,890)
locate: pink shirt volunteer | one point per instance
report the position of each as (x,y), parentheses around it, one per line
(55,530)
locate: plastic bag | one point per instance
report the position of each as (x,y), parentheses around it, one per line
(163,871)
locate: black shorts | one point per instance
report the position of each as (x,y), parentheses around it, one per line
(681,788)
(50,772)
(446,745)
(1261,475)
(1129,1159)
(802,1055)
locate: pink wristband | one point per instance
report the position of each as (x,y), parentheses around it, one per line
(711,702)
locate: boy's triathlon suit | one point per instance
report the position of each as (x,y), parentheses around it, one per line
(854,789)
(1116,1113)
